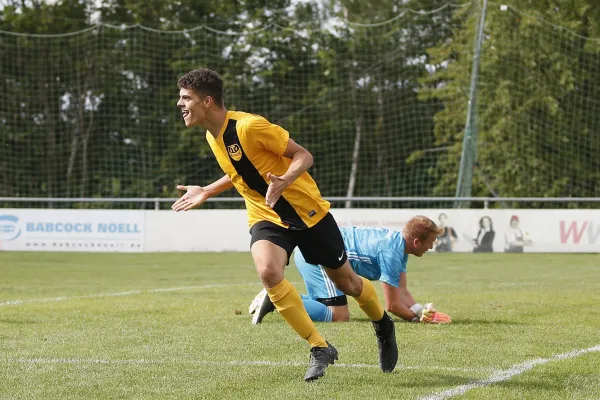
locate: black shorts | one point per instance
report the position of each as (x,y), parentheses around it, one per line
(321,245)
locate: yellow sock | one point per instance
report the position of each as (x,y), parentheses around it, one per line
(369,302)
(288,302)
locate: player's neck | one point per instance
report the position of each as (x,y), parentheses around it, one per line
(214,123)
(407,245)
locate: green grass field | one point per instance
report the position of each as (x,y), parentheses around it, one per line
(166,326)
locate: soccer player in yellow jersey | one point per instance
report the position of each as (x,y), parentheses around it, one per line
(285,211)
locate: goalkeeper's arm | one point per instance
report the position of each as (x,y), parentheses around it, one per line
(398,299)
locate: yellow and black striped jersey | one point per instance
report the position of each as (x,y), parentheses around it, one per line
(247,148)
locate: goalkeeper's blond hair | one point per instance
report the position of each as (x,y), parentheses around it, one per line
(420,227)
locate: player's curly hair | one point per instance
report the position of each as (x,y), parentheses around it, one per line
(205,82)
(420,227)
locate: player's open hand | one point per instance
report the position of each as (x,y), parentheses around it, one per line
(194,197)
(276,186)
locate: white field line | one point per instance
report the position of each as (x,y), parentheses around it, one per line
(506,374)
(127,293)
(217,363)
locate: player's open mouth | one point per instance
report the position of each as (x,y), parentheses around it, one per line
(185,113)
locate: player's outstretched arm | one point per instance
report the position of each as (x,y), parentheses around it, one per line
(394,303)
(400,302)
(195,196)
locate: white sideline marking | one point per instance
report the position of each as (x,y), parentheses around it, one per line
(207,362)
(506,374)
(93,296)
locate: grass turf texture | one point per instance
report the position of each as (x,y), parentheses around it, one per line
(166,326)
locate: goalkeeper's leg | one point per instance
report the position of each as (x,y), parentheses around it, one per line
(324,302)
(318,312)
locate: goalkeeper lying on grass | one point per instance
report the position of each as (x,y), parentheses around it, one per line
(375,254)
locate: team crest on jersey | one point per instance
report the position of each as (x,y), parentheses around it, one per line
(235,151)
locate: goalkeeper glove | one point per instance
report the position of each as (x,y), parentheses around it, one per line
(429,314)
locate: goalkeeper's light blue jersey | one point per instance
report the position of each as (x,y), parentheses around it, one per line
(375,253)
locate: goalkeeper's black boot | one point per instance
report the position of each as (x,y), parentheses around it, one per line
(320,358)
(386,341)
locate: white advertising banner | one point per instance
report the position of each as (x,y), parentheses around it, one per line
(227,230)
(197,230)
(484,230)
(72,230)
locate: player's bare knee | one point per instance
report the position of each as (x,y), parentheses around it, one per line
(354,285)
(349,285)
(269,269)
(270,262)
(341,284)
(357,285)
(346,279)
(270,274)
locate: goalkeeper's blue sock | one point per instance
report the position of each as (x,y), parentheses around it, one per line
(318,312)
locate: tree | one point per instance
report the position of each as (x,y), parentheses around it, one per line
(38,113)
(536,111)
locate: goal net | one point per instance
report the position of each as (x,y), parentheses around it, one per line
(382,106)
